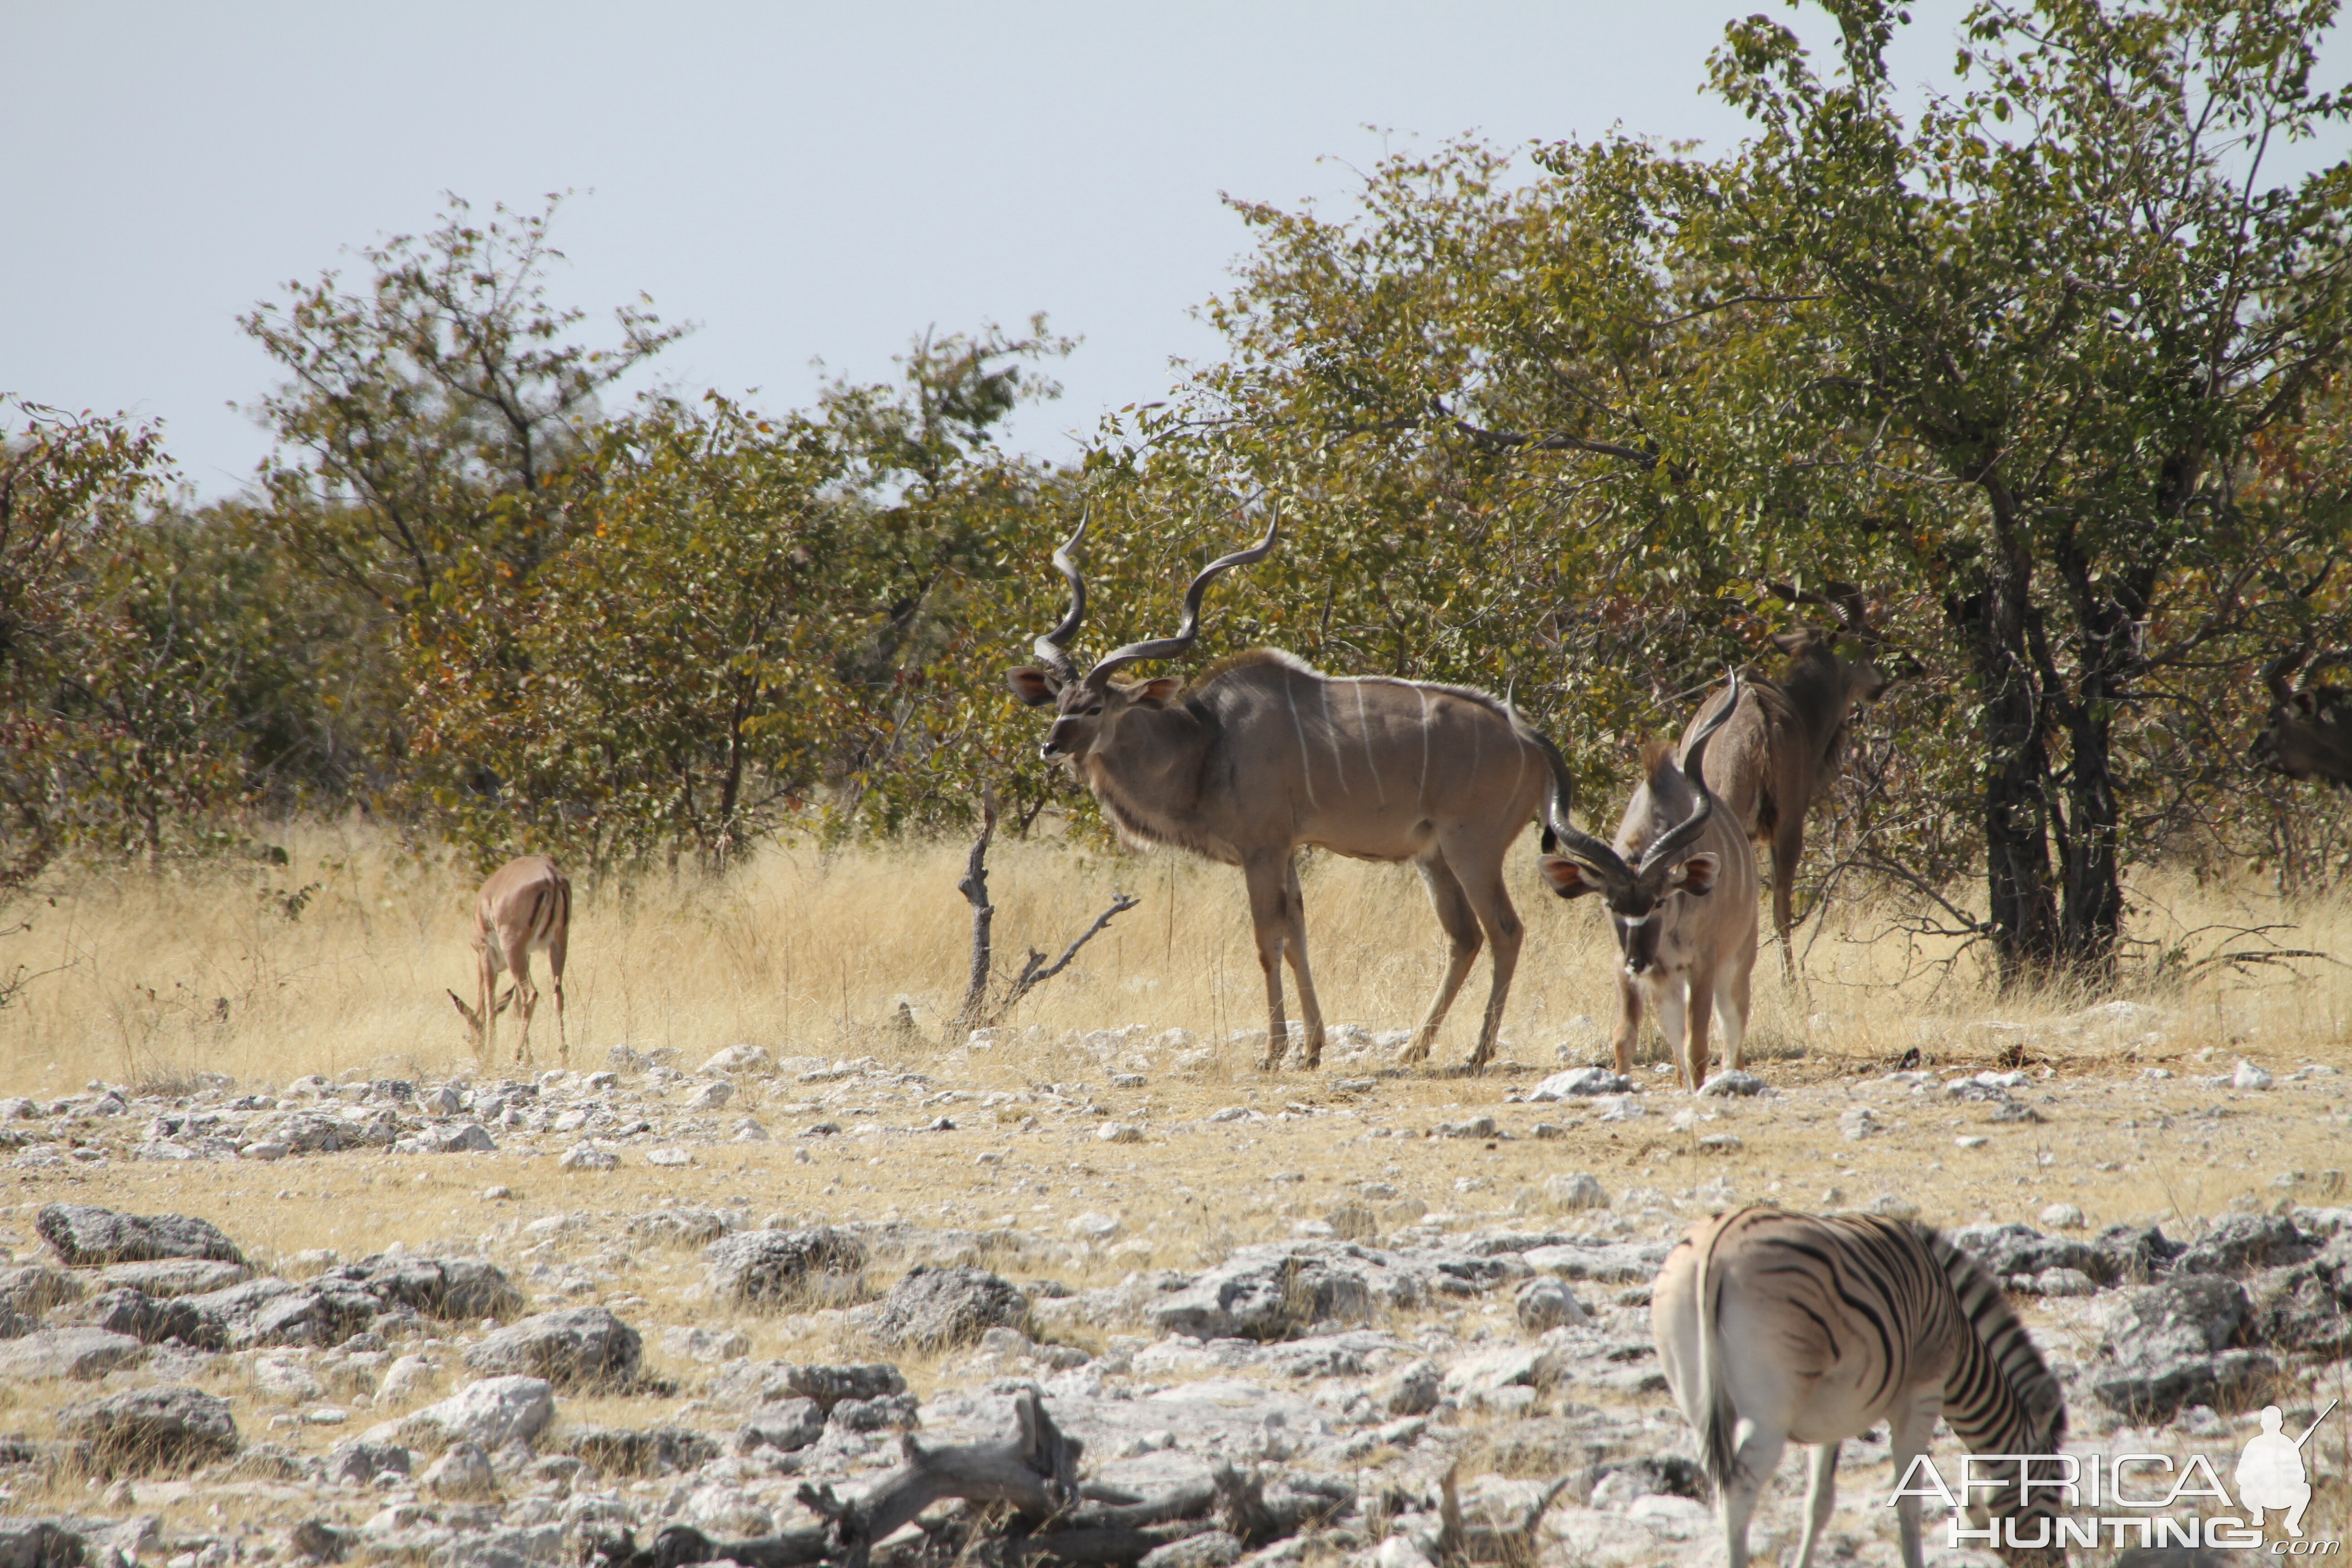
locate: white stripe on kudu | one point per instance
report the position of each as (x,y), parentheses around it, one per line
(1364,733)
(1331,737)
(1421,799)
(1298,728)
(1775,1327)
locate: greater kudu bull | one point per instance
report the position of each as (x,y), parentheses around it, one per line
(1786,741)
(1680,884)
(1263,754)
(2308,734)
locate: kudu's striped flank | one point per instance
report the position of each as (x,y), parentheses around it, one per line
(1776,1327)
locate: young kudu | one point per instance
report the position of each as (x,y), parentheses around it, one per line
(1261,754)
(524,908)
(1786,739)
(1680,884)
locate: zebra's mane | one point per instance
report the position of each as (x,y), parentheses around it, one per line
(2007,1344)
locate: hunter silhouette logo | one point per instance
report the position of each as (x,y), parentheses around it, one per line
(2270,1473)
(2119,1500)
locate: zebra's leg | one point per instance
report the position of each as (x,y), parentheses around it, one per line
(1753,1464)
(1907,1431)
(1821,1498)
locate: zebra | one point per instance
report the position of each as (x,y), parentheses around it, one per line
(1817,1327)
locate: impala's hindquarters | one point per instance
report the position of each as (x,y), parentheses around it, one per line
(524,908)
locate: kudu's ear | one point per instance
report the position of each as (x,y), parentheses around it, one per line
(1156,692)
(1794,643)
(1032,685)
(1697,875)
(2305,703)
(473,1019)
(1568,878)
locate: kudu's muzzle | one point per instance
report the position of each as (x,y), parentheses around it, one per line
(1637,940)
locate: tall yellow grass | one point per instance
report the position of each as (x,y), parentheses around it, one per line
(142,979)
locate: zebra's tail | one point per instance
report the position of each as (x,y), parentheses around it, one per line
(1718,1421)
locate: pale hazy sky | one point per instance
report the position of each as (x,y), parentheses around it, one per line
(805,182)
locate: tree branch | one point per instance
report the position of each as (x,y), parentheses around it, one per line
(1032,975)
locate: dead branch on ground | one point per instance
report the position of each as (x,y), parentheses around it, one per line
(1031,1509)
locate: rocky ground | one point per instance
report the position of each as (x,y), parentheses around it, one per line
(503,1321)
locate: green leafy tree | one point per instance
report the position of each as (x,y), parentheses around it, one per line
(117,724)
(429,434)
(2028,347)
(678,676)
(2039,367)
(430,415)
(750,622)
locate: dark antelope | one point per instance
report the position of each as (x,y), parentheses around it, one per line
(524,908)
(1680,885)
(1786,739)
(2307,733)
(1261,754)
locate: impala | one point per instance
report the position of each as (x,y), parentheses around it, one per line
(524,908)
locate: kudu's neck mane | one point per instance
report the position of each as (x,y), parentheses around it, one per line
(1148,779)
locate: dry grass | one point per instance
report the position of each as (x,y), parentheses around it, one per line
(143,980)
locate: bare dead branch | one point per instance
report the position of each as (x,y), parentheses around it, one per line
(1035,1511)
(1032,975)
(974,888)
(976,1013)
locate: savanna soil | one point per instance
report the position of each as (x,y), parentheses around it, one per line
(294,1076)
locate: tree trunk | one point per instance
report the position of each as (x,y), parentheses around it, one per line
(2094,869)
(2020,910)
